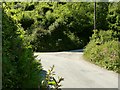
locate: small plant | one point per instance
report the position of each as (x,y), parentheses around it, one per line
(50,82)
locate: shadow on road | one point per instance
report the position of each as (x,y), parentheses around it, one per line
(78,50)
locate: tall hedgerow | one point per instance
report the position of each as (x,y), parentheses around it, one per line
(20,69)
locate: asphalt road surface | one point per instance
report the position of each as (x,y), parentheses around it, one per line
(77,72)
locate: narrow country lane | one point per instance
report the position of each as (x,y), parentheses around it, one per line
(77,72)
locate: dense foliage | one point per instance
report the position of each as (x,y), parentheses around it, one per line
(113,18)
(104,46)
(20,69)
(54,26)
(104,50)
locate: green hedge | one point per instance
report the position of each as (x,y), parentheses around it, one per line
(104,50)
(19,67)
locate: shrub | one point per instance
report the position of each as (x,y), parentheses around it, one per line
(104,50)
(64,24)
(20,69)
(52,41)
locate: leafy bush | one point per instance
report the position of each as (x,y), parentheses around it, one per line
(104,50)
(113,17)
(20,69)
(53,26)
(50,81)
(51,41)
